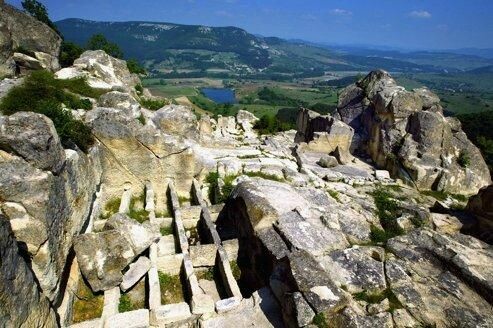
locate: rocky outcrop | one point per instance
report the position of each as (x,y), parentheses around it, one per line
(21,31)
(323,133)
(102,72)
(406,133)
(23,304)
(46,193)
(423,278)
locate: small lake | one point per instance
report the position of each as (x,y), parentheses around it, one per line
(220,96)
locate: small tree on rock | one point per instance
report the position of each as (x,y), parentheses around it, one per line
(99,42)
(37,10)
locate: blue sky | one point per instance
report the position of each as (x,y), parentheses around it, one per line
(411,24)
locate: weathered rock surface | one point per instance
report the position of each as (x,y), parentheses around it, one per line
(406,133)
(481,205)
(121,100)
(23,304)
(45,209)
(323,133)
(33,137)
(102,256)
(19,30)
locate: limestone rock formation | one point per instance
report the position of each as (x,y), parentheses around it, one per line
(23,304)
(323,133)
(34,138)
(406,133)
(46,193)
(102,72)
(21,31)
(102,256)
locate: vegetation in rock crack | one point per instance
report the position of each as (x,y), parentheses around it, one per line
(320,320)
(166,231)
(388,211)
(183,200)
(334,194)
(235,269)
(42,93)
(136,209)
(265,176)
(442,196)
(211,179)
(125,304)
(139,88)
(110,208)
(207,274)
(464,159)
(142,119)
(171,288)
(153,104)
(376,298)
(87,305)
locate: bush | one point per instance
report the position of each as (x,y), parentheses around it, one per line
(270,124)
(99,42)
(69,53)
(135,67)
(388,211)
(464,159)
(153,104)
(42,93)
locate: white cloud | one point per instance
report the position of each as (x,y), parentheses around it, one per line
(341,12)
(423,14)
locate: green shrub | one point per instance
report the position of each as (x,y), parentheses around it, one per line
(69,53)
(125,304)
(320,321)
(135,67)
(464,159)
(235,269)
(139,88)
(153,104)
(270,124)
(142,119)
(264,176)
(388,211)
(99,42)
(166,231)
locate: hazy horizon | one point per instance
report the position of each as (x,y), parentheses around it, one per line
(424,25)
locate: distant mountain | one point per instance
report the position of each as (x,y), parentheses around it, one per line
(177,50)
(482,70)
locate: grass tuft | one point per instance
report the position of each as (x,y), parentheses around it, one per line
(171,288)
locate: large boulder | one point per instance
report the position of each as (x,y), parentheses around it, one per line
(102,72)
(21,31)
(406,133)
(33,137)
(102,256)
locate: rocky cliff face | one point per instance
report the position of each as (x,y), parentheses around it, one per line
(19,33)
(407,133)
